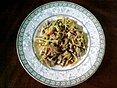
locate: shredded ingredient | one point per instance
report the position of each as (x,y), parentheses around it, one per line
(60,42)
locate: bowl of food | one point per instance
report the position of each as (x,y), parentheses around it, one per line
(60,44)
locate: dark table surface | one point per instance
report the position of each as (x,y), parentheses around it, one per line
(13,12)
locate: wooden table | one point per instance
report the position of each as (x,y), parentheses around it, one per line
(13,12)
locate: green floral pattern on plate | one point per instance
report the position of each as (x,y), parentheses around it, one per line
(51,77)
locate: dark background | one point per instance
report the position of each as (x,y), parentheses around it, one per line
(13,12)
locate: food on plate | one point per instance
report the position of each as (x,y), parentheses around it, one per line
(60,42)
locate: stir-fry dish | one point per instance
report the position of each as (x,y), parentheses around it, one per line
(60,42)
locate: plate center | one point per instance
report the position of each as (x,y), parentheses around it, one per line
(80,59)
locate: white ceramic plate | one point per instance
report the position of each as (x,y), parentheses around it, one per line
(57,76)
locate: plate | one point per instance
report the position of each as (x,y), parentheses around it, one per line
(58,76)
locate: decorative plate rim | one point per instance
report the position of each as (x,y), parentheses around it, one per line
(42,79)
